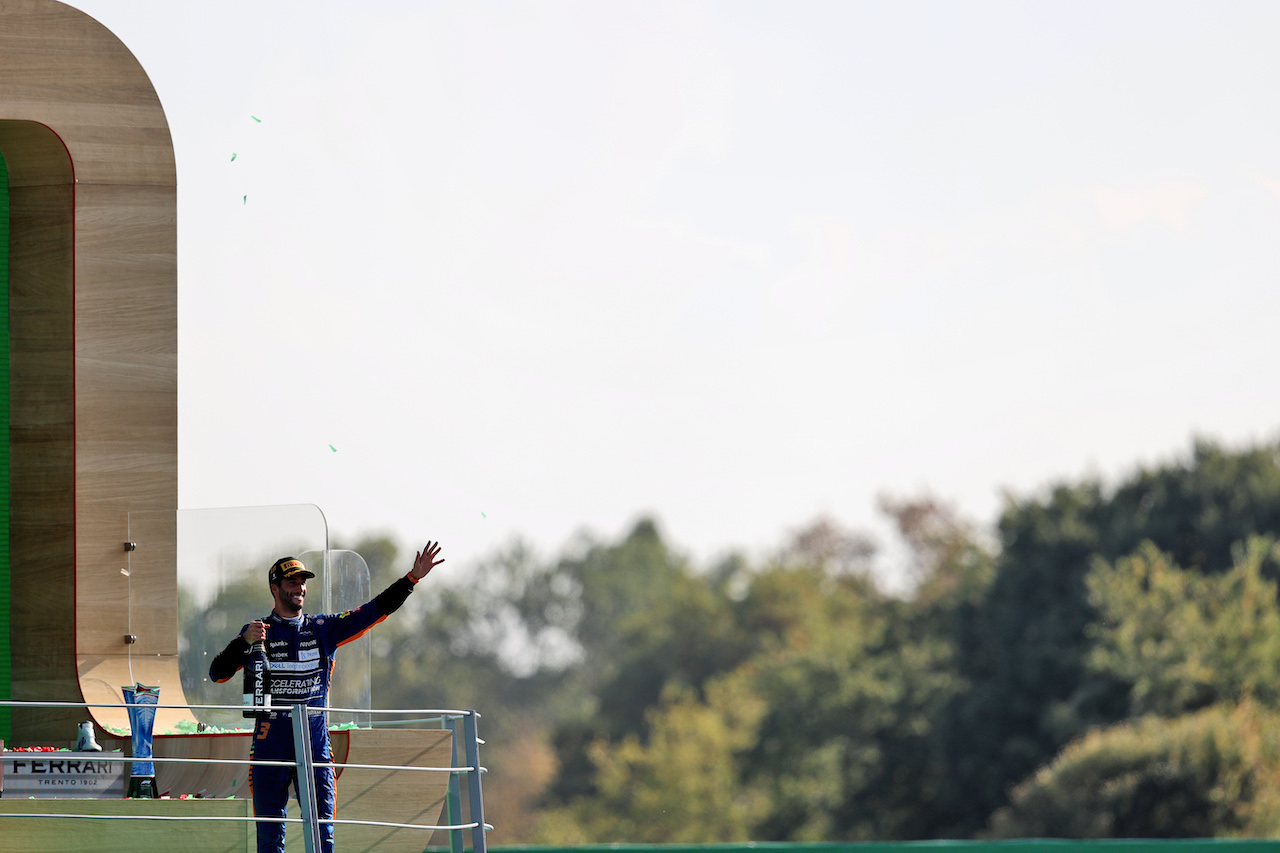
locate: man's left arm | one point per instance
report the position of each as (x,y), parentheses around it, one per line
(355,623)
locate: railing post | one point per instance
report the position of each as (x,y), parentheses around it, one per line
(475,802)
(453,801)
(306,778)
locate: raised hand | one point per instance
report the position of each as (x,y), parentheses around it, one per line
(425,560)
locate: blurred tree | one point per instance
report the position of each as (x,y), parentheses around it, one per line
(826,690)
(615,585)
(1197,509)
(684,639)
(948,560)
(493,636)
(842,683)
(1211,774)
(382,554)
(857,714)
(644,621)
(681,783)
(1023,649)
(853,680)
(1184,640)
(1199,654)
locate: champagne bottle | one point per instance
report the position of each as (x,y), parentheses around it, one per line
(257,675)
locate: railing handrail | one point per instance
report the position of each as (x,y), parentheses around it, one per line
(304,762)
(234,819)
(260,762)
(436,713)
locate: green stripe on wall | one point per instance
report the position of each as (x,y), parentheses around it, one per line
(6,662)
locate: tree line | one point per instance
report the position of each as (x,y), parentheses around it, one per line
(1102,662)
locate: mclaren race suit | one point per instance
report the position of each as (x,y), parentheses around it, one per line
(301,652)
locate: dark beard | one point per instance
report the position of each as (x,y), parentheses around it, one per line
(286,608)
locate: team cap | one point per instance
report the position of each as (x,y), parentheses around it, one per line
(288,567)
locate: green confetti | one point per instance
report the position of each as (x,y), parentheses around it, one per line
(246,199)
(255,118)
(334,449)
(233,156)
(482,515)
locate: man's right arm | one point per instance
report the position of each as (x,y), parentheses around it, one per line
(229,660)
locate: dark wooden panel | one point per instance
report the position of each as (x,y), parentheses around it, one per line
(34,154)
(41,439)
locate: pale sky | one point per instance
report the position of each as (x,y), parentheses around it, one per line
(538,267)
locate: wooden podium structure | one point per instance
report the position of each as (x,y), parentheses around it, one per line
(93,415)
(93,365)
(364,795)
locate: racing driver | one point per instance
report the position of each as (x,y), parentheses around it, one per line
(301,649)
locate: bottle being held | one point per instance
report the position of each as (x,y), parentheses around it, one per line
(257,679)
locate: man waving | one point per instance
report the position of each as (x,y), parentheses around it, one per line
(301,651)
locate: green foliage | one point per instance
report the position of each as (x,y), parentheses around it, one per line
(616,586)
(1182,639)
(1198,509)
(681,640)
(1023,648)
(1203,775)
(680,784)
(1200,654)
(835,686)
(493,636)
(845,749)
(825,691)
(382,554)
(630,697)
(644,621)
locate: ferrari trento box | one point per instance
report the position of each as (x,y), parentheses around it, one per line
(63,774)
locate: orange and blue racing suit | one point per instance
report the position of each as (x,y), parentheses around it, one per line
(301,652)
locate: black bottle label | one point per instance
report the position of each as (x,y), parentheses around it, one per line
(257,675)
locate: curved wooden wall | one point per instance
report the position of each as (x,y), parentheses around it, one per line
(93,343)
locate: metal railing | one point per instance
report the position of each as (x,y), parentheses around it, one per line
(460,723)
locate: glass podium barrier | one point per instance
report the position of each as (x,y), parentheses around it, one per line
(223,556)
(343,576)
